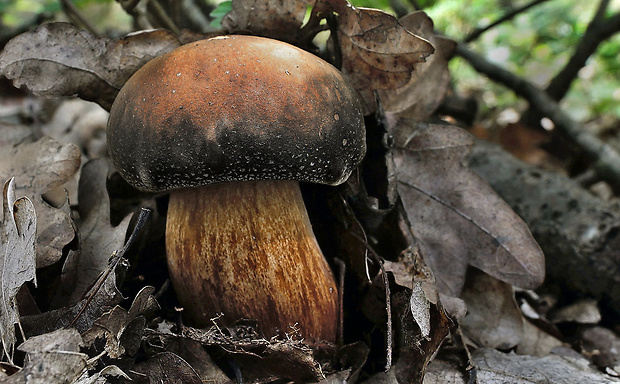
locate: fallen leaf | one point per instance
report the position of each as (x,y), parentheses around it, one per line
(101,376)
(493,366)
(377,51)
(584,311)
(493,318)
(98,238)
(57,59)
(121,329)
(277,19)
(198,358)
(426,88)
(165,367)
(53,358)
(443,372)
(457,218)
(421,334)
(17,259)
(98,300)
(38,167)
(13,134)
(536,342)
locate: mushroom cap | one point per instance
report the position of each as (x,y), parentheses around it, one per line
(235,108)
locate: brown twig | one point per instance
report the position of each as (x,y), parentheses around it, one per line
(388,301)
(341,275)
(76,16)
(115,259)
(156,9)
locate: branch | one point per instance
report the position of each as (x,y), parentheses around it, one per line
(479,31)
(606,158)
(599,30)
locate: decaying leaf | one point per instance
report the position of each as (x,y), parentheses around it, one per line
(17,259)
(493,318)
(426,89)
(419,339)
(377,51)
(121,329)
(257,357)
(166,367)
(57,59)
(99,299)
(98,238)
(39,167)
(457,218)
(53,358)
(278,19)
(496,367)
(199,359)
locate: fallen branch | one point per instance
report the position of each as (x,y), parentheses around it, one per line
(578,232)
(605,158)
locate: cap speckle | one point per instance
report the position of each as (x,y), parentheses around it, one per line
(257,124)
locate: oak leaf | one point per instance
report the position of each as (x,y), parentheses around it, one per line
(17,259)
(39,167)
(57,59)
(457,218)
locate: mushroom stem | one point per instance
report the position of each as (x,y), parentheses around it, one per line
(247,250)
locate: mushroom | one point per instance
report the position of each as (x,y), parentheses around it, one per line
(231,125)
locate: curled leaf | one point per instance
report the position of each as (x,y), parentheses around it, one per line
(57,59)
(278,19)
(17,259)
(422,94)
(378,52)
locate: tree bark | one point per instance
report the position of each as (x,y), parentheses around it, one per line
(579,233)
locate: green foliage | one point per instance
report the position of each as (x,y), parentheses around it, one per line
(219,12)
(535,45)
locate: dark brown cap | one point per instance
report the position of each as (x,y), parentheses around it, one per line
(235,108)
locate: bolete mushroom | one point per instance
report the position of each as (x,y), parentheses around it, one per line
(231,125)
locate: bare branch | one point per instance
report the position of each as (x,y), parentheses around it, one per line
(606,158)
(508,16)
(599,30)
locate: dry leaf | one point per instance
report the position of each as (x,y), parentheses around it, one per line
(17,259)
(417,345)
(494,367)
(277,19)
(199,359)
(493,318)
(421,96)
(98,238)
(121,329)
(53,358)
(457,218)
(536,342)
(443,372)
(166,367)
(39,167)
(57,59)
(377,51)
(100,299)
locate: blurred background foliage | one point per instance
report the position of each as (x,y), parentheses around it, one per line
(535,45)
